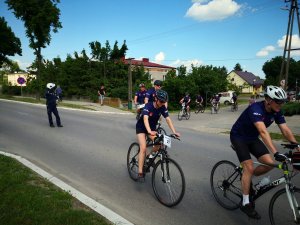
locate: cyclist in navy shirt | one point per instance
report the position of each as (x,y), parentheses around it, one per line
(146,125)
(244,136)
(187,100)
(150,95)
(139,97)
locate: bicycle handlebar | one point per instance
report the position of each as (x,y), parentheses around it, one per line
(291,146)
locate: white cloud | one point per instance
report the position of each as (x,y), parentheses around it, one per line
(213,10)
(265,51)
(160,57)
(295,44)
(187,63)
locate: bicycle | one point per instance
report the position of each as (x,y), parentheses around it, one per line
(284,207)
(199,108)
(168,181)
(159,129)
(183,112)
(234,107)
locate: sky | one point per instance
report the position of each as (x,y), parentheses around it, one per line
(170,32)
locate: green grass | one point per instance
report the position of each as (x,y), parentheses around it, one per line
(27,198)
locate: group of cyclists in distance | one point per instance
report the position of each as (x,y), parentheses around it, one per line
(244,135)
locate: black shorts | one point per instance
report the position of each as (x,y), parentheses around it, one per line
(244,148)
(140,131)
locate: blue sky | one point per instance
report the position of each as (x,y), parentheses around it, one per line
(170,32)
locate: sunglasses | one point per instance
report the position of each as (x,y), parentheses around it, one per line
(278,102)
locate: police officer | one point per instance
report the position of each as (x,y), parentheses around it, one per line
(51,99)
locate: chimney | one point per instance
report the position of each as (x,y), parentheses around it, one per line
(145,59)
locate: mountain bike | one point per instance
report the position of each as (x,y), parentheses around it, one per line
(168,180)
(284,207)
(234,107)
(199,108)
(183,112)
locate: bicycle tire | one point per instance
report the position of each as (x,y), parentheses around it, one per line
(202,109)
(171,191)
(225,183)
(180,115)
(132,160)
(161,130)
(232,108)
(197,109)
(280,211)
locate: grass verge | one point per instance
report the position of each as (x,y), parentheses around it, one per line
(27,198)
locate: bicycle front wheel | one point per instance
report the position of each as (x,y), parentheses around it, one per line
(180,115)
(187,115)
(225,183)
(161,130)
(280,210)
(133,160)
(168,182)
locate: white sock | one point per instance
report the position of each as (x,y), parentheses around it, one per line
(245,199)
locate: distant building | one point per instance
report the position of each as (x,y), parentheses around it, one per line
(12,79)
(156,71)
(246,81)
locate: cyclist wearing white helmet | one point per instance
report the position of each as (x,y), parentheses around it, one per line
(244,136)
(146,125)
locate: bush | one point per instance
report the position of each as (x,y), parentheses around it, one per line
(291,108)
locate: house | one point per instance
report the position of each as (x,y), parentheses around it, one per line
(18,79)
(246,81)
(156,71)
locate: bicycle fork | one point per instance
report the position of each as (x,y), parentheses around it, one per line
(293,202)
(165,175)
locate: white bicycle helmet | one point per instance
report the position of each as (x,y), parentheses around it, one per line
(276,93)
(50,85)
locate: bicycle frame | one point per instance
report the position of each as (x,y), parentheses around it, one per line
(162,153)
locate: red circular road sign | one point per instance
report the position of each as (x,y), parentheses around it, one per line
(21,80)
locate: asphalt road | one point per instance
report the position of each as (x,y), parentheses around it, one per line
(89,153)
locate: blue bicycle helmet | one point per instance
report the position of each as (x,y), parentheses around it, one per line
(162,95)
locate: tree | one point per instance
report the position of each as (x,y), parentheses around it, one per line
(238,67)
(40,18)
(10,44)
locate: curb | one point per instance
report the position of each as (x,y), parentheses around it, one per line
(91,203)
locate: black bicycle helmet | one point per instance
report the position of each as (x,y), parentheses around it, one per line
(162,95)
(158,82)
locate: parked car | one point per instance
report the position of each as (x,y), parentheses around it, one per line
(225,97)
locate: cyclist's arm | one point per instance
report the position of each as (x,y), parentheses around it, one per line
(171,126)
(146,123)
(146,100)
(264,134)
(287,133)
(135,100)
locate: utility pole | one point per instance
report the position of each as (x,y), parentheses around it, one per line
(284,71)
(130,84)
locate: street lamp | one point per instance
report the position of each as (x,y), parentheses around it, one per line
(129,84)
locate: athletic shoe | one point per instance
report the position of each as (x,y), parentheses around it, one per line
(250,211)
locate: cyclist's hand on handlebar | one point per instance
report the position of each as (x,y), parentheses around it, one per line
(280,157)
(152,133)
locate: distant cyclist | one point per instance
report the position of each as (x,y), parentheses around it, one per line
(244,136)
(140,95)
(215,100)
(187,100)
(146,125)
(199,99)
(234,99)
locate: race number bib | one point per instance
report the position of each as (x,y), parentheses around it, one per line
(167,141)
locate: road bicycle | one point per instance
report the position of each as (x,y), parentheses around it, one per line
(284,207)
(183,112)
(234,107)
(214,107)
(168,180)
(199,108)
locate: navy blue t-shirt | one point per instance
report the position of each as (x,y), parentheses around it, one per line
(154,115)
(151,94)
(244,126)
(141,96)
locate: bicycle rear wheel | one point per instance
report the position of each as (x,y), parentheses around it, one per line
(133,160)
(197,109)
(225,182)
(168,182)
(280,211)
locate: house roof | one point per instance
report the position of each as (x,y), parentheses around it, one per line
(146,63)
(250,78)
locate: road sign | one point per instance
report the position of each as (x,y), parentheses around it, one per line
(21,80)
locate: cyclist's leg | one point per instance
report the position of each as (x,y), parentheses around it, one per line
(142,142)
(260,151)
